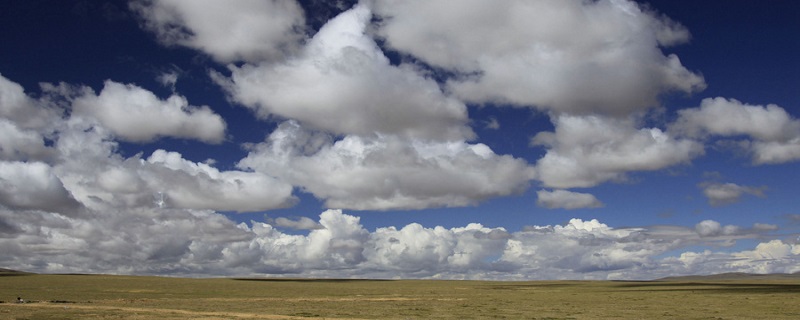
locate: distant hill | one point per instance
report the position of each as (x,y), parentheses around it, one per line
(735,276)
(9,272)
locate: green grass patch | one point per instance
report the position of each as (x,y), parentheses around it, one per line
(132,297)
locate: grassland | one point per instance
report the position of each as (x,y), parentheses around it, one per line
(130,297)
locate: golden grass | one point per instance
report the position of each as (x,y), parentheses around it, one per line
(131,297)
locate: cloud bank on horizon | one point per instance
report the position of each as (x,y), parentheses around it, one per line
(371,112)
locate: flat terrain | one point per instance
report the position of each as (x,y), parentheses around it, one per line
(130,297)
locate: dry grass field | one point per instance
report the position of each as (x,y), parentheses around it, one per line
(133,297)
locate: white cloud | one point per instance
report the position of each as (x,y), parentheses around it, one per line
(773,256)
(197,242)
(245,30)
(135,114)
(727,193)
(33,186)
(187,184)
(587,150)
(302,223)
(707,228)
(418,251)
(168,79)
(135,182)
(20,144)
(775,132)
(566,199)
(22,110)
(573,56)
(390,138)
(386,172)
(493,124)
(728,117)
(83,168)
(342,83)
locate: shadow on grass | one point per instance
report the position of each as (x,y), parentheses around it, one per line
(713,287)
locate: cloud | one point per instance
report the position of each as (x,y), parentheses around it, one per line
(248,30)
(719,194)
(169,78)
(416,250)
(200,242)
(73,162)
(135,114)
(342,83)
(21,110)
(588,150)
(773,256)
(199,186)
(572,57)
(565,199)
(33,186)
(302,223)
(493,124)
(708,228)
(20,144)
(775,133)
(386,172)
(101,178)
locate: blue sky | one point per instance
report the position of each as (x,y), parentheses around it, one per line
(512,140)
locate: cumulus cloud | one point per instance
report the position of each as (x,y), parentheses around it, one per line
(199,242)
(248,30)
(21,144)
(194,185)
(73,161)
(566,199)
(708,228)
(302,223)
(727,193)
(342,83)
(574,56)
(386,172)
(135,114)
(99,177)
(773,256)
(359,131)
(23,111)
(775,133)
(587,150)
(33,186)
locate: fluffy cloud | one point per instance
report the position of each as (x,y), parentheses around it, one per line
(342,83)
(199,186)
(23,111)
(726,193)
(196,242)
(776,133)
(587,150)
(83,169)
(33,186)
(773,256)
(137,115)
(707,228)
(249,30)
(567,56)
(566,199)
(386,172)
(20,144)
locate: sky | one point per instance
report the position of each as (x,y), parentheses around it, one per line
(506,140)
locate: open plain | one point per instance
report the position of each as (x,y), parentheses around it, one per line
(141,297)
